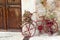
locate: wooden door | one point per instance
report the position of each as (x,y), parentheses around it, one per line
(14,2)
(2,14)
(14,14)
(1,18)
(2,2)
(10,14)
(14,18)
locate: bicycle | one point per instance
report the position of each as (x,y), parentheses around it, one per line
(47,25)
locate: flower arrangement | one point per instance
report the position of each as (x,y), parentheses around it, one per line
(27,16)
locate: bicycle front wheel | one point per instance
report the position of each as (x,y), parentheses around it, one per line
(28,29)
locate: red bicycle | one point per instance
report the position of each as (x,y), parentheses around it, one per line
(47,25)
(44,24)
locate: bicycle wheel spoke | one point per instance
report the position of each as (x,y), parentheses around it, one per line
(31,28)
(29,33)
(25,31)
(55,27)
(27,26)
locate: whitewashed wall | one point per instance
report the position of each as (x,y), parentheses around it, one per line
(28,5)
